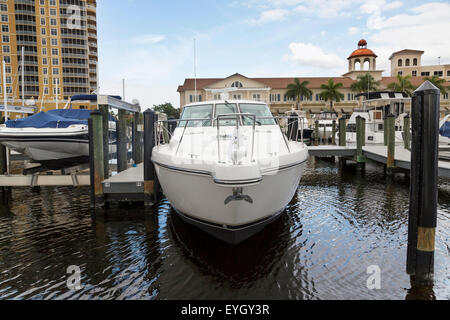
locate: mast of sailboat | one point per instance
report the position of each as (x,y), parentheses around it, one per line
(56,96)
(195,70)
(98,85)
(5,98)
(23,77)
(123,90)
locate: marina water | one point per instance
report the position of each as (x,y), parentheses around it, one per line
(339,224)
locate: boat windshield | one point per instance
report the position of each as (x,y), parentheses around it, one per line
(224,109)
(261,111)
(197,112)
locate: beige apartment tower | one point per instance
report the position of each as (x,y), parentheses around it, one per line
(59,43)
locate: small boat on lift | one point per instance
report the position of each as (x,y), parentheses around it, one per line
(325,120)
(444,131)
(375,107)
(228,168)
(56,139)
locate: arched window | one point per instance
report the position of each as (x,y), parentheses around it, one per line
(237,84)
(400,63)
(358,65)
(407,63)
(415,62)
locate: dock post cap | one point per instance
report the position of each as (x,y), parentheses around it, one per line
(391,116)
(96,113)
(427,88)
(149,110)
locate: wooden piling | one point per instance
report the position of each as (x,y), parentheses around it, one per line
(407,132)
(424,178)
(342,132)
(3,163)
(138,138)
(104,109)
(96,158)
(122,152)
(324,140)
(385,131)
(360,137)
(316,133)
(390,165)
(333,134)
(149,169)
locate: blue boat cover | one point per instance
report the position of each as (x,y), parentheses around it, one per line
(445,130)
(44,120)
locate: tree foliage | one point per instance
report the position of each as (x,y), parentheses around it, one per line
(297,91)
(403,84)
(365,83)
(330,92)
(168,109)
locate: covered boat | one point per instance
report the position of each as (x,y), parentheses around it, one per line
(444,131)
(55,139)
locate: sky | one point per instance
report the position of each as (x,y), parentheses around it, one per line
(150,43)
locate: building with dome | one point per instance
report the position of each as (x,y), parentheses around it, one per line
(273,90)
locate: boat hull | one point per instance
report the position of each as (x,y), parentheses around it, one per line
(201,202)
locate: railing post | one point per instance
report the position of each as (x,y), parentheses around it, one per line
(325,140)
(390,143)
(360,137)
(333,134)
(407,132)
(316,133)
(342,132)
(104,109)
(424,178)
(293,126)
(96,157)
(149,169)
(122,152)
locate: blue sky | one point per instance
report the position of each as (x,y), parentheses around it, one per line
(150,43)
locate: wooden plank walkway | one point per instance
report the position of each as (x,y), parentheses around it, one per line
(128,181)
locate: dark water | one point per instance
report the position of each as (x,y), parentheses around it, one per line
(339,224)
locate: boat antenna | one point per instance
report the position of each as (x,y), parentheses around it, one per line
(195,70)
(23,77)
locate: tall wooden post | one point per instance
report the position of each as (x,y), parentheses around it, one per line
(316,133)
(3,163)
(104,109)
(342,132)
(333,134)
(122,152)
(407,132)
(424,178)
(360,138)
(138,137)
(149,169)
(385,131)
(96,157)
(390,143)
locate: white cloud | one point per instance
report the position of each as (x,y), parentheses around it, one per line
(269,16)
(307,54)
(353,30)
(148,39)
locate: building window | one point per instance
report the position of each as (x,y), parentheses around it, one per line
(53,22)
(44,51)
(54,42)
(4,18)
(5,28)
(8,80)
(42,11)
(43,21)
(414,73)
(8,69)
(236,97)
(44,71)
(5,39)
(407,62)
(55,71)
(43,31)
(6,49)
(3,7)
(44,41)
(45,81)
(236,84)
(44,61)
(53,2)
(425,74)
(415,62)
(7,59)
(400,73)
(400,63)
(439,73)
(256,97)
(53,12)
(46,91)
(445,97)
(54,51)
(54,32)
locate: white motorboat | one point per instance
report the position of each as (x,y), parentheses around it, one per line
(229,169)
(375,108)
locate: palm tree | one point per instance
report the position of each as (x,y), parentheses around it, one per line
(297,91)
(331,92)
(438,82)
(365,83)
(403,84)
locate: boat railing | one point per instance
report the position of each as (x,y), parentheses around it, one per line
(164,134)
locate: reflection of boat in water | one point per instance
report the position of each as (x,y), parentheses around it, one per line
(229,169)
(56,139)
(376,106)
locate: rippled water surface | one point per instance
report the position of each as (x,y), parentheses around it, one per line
(338,225)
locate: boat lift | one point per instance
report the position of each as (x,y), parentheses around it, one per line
(73,176)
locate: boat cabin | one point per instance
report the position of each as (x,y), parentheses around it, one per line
(207,114)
